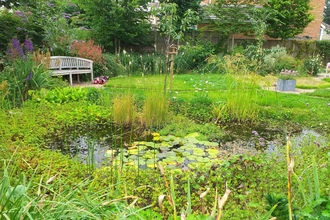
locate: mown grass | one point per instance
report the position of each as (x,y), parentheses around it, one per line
(308,108)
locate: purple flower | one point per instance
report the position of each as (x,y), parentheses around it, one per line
(16,49)
(67,16)
(261,139)
(19,28)
(28,45)
(29,76)
(54,18)
(255,133)
(275,84)
(20,14)
(85,29)
(51,5)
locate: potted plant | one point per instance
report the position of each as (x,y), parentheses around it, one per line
(286,80)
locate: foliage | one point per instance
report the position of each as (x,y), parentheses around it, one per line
(126,64)
(168,22)
(313,65)
(123,110)
(193,57)
(285,24)
(155,109)
(24,75)
(116,24)
(60,95)
(8,24)
(88,50)
(241,100)
(322,46)
(232,16)
(326,12)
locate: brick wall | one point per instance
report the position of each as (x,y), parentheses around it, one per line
(313,29)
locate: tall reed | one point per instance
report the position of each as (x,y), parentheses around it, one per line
(241,102)
(155,109)
(123,109)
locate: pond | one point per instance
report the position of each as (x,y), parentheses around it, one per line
(107,146)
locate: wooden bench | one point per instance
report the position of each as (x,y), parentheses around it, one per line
(62,65)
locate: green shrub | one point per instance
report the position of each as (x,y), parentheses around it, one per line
(312,65)
(193,57)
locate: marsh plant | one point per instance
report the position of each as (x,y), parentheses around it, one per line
(155,109)
(123,109)
(241,101)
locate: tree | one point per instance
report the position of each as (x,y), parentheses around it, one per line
(326,14)
(114,23)
(183,6)
(290,17)
(168,27)
(234,16)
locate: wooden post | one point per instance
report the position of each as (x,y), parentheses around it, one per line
(172,52)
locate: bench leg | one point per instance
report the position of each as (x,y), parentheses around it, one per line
(78,78)
(70,79)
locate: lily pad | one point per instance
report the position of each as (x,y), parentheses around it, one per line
(164,148)
(110,153)
(191,157)
(195,134)
(203,159)
(150,144)
(198,152)
(161,155)
(186,153)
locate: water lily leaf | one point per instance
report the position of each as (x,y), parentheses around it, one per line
(151,165)
(133,151)
(203,159)
(110,153)
(210,144)
(212,151)
(192,140)
(171,166)
(180,159)
(195,134)
(165,144)
(131,163)
(186,153)
(149,154)
(161,155)
(193,165)
(139,162)
(171,154)
(191,157)
(164,148)
(179,150)
(133,157)
(150,144)
(198,152)
(151,160)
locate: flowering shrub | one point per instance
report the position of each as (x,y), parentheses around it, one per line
(312,65)
(88,50)
(18,50)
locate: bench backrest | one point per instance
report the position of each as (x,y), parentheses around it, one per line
(63,62)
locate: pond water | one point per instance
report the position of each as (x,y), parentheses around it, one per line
(105,147)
